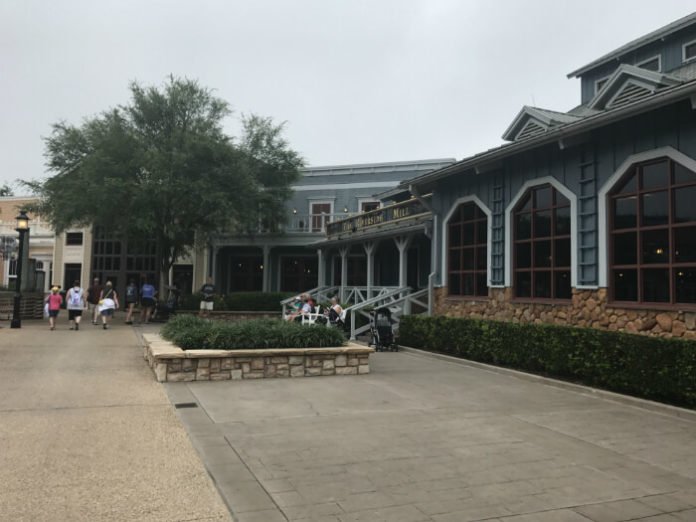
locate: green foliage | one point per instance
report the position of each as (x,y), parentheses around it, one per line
(650,367)
(190,332)
(6,190)
(164,162)
(239,301)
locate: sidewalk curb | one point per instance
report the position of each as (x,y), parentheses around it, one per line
(657,407)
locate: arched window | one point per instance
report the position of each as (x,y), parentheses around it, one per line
(467,251)
(541,245)
(652,240)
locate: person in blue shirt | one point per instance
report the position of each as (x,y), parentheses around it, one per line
(147,301)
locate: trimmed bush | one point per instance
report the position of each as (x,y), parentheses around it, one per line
(239,301)
(650,367)
(190,332)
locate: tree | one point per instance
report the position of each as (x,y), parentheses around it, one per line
(6,190)
(162,168)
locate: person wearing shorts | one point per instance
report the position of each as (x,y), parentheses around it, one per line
(75,299)
(147,301)
(108,303)
(53,301)
(93,293)
(131,300)
(207,293)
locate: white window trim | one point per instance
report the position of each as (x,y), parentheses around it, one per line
(602,196)
(684,46)
(489,242)
(570,195)
(659,62)
(321,202)
(598,81)
(367,200)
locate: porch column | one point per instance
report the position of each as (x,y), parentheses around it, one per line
(321,268)
(213,268)
(344,271)
(370,253)
(402,243)
(266,279)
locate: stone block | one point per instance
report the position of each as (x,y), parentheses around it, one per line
(353,360)
(227,363)
(161,372)
(331,371)
(341,360)
(176,376)
(246,367)
(678,328)
(214,365)
(313,372)
(220,376)
(347,370)
(188,365)
(282,367)
(328,364)
(279,360)
(257,363)
(254,375)
(236,375)
(283,372)
(204,363)
(175,365)
(203,374)
(270,370)
(690,320)
(297,371)
(364,368)
(296,359)
(665,322)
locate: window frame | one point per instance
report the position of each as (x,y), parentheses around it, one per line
(647,60)
(320,225)
(74,234)
(604,79)
(532,240)
(672,266)
(684,46)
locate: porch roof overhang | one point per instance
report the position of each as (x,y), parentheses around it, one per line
(419,224)
(477,163)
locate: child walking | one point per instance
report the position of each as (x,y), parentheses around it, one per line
(54,300)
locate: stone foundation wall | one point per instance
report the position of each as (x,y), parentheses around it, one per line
(172,364)
(588,308)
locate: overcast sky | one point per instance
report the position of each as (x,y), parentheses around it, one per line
(357,81)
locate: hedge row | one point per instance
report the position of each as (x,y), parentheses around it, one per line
(239,301)
(194,333)
(650,367)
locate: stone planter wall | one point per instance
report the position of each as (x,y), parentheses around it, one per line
(172,364)
(588,308)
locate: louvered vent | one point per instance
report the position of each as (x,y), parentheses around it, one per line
(531,129)
(629,93)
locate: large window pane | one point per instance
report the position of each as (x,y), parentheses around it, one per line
(686,285)
(542,223)
(562,285)
(655,208)
(625,249)
(543,198)
(561,200)
(468,284)
(523,255)
(542,284)
(454,284)
(655,246)
(468,234)
(523,226)
(656,175)
(625,284)
(628,185)
(481,232)
(625,211)
(542,253)
(455,235)
(562,221)
(685,245)
(523,284)
(562,252)
(467,259)
(683,175)
(468,212)
(685,204)
(656,285)
(481,285)
(481,258)
(455,260)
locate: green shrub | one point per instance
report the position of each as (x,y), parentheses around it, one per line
(649,367)
(239,301)
(191,332)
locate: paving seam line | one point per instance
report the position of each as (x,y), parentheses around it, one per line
(656,407)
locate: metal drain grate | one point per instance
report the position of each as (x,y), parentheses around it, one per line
(179,405)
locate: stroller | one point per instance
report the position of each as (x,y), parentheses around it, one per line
(382,330)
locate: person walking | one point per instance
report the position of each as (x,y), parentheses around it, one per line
(93,295)
(54,301)
(147,301)
(131,300)
(76,303)
(108,302)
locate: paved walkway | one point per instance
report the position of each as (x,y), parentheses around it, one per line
(422,439)
(86,433)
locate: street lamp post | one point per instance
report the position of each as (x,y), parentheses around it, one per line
(22,228)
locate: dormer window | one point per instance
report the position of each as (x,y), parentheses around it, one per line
(600,83)
(689,51)
(651,64)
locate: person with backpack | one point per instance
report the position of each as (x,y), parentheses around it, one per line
(131,300)
(93,296)
(147,301)
(76,303)
(108,302)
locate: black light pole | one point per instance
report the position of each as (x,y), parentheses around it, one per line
(22,227)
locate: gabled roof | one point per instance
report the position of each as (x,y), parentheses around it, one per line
(532,121)
(628,83)
(659,34)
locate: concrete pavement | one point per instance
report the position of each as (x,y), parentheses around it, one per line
(424,439)
(86,433)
